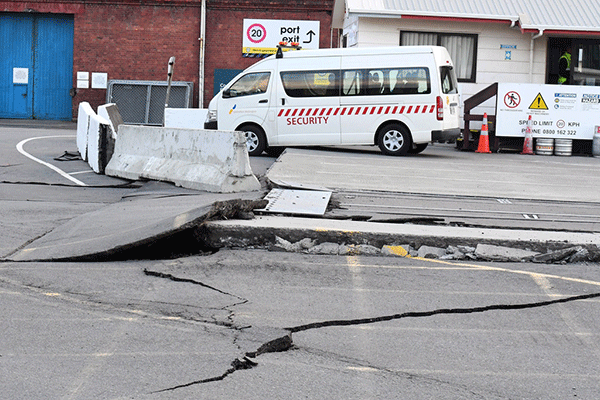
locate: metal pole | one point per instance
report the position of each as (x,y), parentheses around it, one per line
(169,78)
(202,47)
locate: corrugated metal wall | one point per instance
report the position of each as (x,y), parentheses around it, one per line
(36,66)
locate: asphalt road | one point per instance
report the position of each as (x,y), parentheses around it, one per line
(452,187)
(363,327)
(171,329)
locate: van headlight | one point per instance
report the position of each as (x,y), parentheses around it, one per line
(211,116)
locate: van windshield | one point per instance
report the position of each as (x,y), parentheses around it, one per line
(254,83)
(448,79)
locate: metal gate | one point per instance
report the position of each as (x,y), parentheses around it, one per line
(143,102)
(36,66)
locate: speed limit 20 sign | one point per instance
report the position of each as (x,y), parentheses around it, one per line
(261,36)
(256,33)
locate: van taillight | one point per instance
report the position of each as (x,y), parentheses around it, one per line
(439,108)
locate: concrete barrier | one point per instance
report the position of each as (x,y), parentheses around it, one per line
(83,121)
(97,143)
(111,113)
(213,161)
(95,140)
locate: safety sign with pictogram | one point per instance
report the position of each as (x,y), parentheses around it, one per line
(512,99)
(538,103)
(556,111)
(261,36)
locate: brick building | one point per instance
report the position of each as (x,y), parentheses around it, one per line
(125,40)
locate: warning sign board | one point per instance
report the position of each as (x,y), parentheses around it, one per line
(261,36)
(538,103)
(557,111)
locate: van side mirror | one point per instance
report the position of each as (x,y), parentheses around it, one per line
(226,94)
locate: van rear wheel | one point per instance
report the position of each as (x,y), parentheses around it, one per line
(256,140)
(394,140)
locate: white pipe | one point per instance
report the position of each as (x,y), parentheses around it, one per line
(202,46)
(531,48)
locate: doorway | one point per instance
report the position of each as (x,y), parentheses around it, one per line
(585,60)
(36,66)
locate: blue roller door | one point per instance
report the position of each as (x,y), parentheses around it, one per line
(36,66)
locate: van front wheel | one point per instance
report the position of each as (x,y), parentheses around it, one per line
(417,148)
(394,140)
(255,139)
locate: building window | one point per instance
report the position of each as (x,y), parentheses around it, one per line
(462,49)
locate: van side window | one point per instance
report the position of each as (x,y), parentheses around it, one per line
(352,83)
(374,82)
(410,81)
(311,83)
(254,83)
(448,79)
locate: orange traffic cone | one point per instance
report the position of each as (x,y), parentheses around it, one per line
(528,143)
(484,139)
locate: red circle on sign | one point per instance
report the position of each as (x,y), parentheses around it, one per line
(256,33)
(512,99)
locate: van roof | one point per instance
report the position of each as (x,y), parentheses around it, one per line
(354,51)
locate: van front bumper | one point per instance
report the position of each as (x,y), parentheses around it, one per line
(446,134)
(212,125)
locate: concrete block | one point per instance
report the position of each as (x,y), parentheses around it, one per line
(431,252)
(97,143)
(213,161)
(186,118)
(111,113)
(83,120)
(500,253)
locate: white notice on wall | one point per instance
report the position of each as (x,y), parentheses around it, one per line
(21,75)
(99,80)
(83,80)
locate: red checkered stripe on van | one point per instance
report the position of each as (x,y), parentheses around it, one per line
(358,110)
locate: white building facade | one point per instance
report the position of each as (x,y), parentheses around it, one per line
(517,41)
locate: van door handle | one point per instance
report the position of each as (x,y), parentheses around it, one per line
(263,101)
(283,102)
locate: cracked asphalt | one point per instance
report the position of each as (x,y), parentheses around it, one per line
(257,324)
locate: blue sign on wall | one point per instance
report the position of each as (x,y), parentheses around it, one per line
(222,78)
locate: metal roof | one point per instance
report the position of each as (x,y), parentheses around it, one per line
(568,16)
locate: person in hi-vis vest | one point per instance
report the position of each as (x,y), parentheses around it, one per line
(564,67)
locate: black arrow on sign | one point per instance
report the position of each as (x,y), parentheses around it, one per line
(310,34)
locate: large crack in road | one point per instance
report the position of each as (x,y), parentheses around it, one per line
(285,343)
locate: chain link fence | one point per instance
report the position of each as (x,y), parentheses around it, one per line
(143,102)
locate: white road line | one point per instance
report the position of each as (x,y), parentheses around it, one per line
(81,172)
(52,167)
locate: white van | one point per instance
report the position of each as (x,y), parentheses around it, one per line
(399,98)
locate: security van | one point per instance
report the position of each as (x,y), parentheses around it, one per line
(398,98)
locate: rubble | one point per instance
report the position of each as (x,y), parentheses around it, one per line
(482,252)
(490,252)
(431,252)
